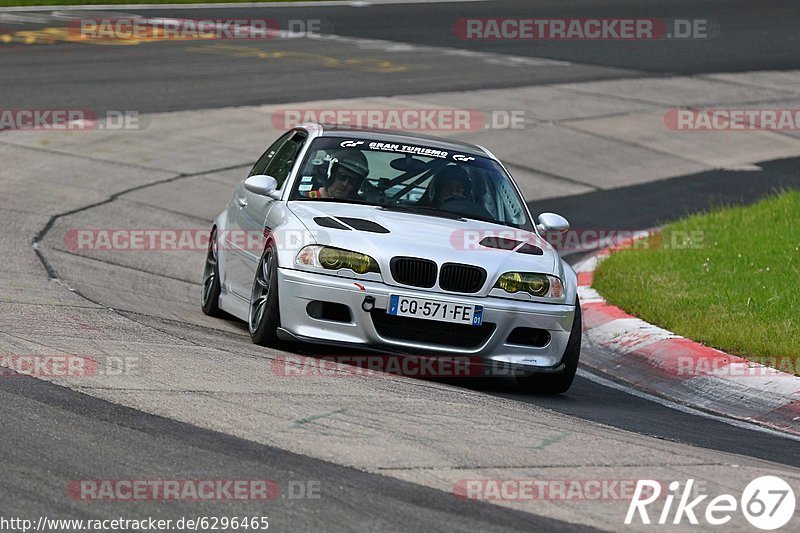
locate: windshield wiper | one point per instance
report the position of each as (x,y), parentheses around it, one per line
(433,211)
(339,200)
(423,210)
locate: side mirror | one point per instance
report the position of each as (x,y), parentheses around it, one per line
(552,222)
(262,185)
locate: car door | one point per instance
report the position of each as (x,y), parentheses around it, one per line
(233,239)
(253,209)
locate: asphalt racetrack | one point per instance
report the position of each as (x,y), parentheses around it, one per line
(384,454)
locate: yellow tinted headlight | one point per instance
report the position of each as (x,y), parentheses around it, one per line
(336,258)
(540,285)
(510,282)
(331,258)
(537,284)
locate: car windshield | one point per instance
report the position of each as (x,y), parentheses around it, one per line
(409,177)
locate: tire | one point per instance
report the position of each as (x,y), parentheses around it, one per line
(561,382)
(264,318)
(211,286)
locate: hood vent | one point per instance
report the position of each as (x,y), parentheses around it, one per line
(364,225)
(530,249)
(499,243)
(328,222)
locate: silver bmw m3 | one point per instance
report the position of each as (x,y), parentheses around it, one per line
(396,242)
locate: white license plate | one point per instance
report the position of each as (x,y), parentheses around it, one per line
(433,310)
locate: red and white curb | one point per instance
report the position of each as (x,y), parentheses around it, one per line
(630,350)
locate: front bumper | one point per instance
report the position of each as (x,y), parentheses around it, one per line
(297,288)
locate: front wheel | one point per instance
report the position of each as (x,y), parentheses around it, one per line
(211,287)
(264,317)
(561,382)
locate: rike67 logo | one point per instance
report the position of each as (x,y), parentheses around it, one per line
(767,502)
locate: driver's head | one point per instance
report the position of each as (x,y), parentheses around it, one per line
(452,182)
(349,168)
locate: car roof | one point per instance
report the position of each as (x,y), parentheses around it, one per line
(344,131)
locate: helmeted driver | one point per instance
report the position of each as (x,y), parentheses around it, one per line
(451,183)
(452,191)
(347,171)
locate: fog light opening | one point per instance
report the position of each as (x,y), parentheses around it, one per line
(331,311)
(538,338)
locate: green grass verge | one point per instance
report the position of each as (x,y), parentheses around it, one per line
(9,3)
(734,286)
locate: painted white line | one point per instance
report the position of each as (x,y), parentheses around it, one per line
(588,295)
(213,5)
(628,335)
(753,384)
(66,15)
(32,18)
(488,57)
(390,46)
(401,47)
(761,377)
(587,265)
(683,408)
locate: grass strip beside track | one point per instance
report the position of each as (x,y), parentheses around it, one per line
(729,279)
(16,3)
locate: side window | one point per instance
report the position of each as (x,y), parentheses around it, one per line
(280,166)
(261,165)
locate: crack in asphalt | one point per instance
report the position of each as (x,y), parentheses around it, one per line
(51,272)
(68,306)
